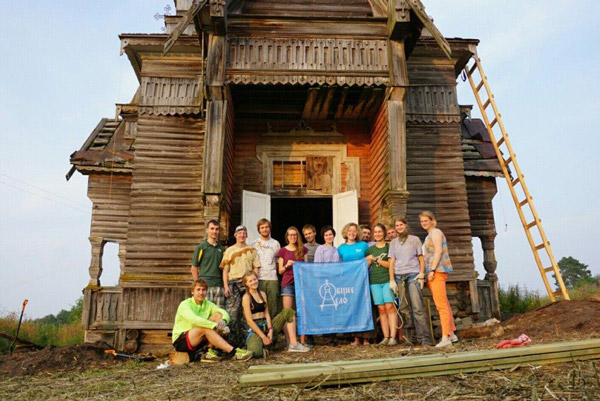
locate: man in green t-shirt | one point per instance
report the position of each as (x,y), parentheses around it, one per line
(205,263)
(199,322)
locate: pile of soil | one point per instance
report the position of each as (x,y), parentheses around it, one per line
(560,321)
(80,357)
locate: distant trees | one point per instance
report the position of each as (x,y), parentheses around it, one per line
(72,315)
(574,273)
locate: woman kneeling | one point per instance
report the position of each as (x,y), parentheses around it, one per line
(261,330)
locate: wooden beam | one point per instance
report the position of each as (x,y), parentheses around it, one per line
(397,139)
(187,19)
(398,19)
(215,60)
(343,372)
(214,141)
(419,9)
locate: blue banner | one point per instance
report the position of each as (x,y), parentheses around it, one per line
(333,297)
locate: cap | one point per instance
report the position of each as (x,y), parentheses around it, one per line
(240,228)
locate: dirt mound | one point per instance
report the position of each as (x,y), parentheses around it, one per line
(78,357)
(560,321)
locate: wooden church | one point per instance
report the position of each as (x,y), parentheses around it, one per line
(300,111)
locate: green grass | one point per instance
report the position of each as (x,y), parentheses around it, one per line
(519,299)
(40,333)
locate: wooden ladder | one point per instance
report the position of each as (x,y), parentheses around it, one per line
(518,189)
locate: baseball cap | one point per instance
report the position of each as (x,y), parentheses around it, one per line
(240,228)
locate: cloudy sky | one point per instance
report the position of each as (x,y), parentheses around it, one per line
(61,72)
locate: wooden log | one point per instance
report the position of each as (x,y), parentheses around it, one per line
(178,358)
(430,365)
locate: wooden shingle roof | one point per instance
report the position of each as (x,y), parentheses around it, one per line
(106,150)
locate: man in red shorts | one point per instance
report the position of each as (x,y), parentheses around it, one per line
(199,322)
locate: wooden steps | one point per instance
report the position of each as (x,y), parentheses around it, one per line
(362,371)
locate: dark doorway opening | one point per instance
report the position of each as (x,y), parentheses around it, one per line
(297,212)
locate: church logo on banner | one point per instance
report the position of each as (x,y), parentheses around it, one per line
(333,297)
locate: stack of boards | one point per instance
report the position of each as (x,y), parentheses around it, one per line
(362,371)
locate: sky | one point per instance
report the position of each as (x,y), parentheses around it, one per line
(61,72)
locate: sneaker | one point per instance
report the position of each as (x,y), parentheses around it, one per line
(453,338)
(307,346)
(385,341)
(297,348)
(392,341)
(444,343)
(211,356)
(242,354)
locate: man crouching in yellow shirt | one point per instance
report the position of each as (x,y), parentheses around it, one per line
(199,322)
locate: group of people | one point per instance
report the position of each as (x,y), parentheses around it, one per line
(244,296)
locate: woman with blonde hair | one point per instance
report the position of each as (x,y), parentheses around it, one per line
(353,250)
(261,330)
(437,266)
(293,252)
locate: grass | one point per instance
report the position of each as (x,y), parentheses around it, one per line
(586,292)
(519,299)
(40,333)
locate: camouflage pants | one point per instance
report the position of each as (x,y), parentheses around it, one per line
(233,305)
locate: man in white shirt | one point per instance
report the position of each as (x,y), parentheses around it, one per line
(267,249)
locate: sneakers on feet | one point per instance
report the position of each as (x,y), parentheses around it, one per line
(307,346)
(385,341)
(242,354)
(211,356)
(444,343)
(297,348)
(453,338)
(392,341)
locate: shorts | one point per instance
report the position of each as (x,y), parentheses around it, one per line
(288,290)
(382,294)
(182,344)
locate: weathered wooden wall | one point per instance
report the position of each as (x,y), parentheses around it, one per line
(303,8)
(481,191)
(435,170)
(379,163)
(166,219)
(110,197)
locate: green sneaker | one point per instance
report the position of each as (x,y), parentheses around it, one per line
(242,354)
(211,356)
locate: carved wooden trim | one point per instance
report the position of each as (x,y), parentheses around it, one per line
(170,96)
(290,151)
(432,104)
(312,61)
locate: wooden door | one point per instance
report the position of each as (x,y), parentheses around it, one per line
(345,210)
(255,206)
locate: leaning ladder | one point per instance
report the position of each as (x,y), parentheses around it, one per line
(524,205)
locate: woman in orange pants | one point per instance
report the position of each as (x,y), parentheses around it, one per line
(437,266)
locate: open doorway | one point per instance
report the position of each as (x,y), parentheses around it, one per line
(286,212)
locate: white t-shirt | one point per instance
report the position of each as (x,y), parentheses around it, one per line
(267,252)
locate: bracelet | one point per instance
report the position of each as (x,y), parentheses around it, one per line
(269,329)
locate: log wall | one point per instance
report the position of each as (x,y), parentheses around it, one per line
(435,169)
(166,214)
(481,191)
(110,197)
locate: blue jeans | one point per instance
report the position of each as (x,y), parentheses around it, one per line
(412,307)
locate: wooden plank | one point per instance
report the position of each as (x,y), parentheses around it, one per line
(431,365)
(441,359)
(187,19)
